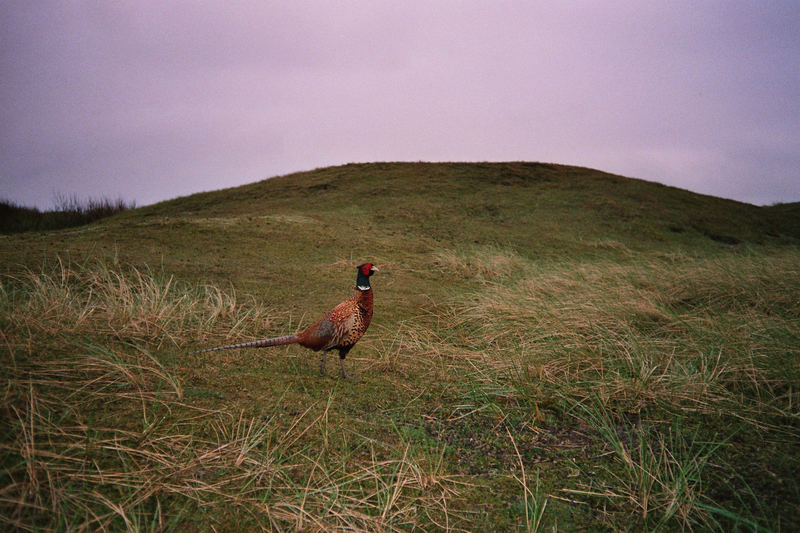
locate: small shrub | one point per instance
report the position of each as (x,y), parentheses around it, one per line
(69,211)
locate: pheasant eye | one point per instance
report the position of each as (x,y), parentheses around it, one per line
(366,268)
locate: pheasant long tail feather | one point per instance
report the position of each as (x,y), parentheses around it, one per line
(263,343)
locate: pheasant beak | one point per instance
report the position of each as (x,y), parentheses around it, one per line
(374,269)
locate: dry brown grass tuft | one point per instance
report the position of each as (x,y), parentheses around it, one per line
(479,262)
(76,474)
(47,308)
(617,331)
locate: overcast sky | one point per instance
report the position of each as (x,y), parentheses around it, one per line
(149,100)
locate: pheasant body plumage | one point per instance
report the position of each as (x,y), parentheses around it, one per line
(339,329)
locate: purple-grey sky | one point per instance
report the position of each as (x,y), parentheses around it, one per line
(149,100)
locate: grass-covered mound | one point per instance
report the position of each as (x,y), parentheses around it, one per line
(551,347)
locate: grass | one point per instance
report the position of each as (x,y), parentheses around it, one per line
(702,350)
(106,437)
(69,211)
(546,354)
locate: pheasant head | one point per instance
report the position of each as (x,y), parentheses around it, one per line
(364,272)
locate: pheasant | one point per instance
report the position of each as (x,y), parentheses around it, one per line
(339,329)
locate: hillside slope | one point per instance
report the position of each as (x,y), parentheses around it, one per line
(543,198)
(409,210)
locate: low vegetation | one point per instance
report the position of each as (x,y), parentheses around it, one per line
(573,366)
(69,211)
(104,436)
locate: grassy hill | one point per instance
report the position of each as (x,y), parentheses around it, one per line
(553,347)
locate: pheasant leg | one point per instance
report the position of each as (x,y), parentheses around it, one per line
(345,375)
(322,371)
